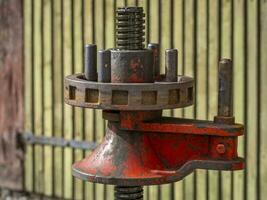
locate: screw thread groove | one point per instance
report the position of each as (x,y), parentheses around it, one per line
(130,28)
(128,193)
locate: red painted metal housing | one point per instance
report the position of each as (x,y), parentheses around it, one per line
(137,151)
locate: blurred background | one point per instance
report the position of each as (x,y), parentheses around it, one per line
(42,41)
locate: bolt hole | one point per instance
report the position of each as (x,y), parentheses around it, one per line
(119,97)
(72,92)
(91,95)
(190,94)
(149,97)
(174,97)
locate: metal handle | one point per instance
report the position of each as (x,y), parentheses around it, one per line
(225,92)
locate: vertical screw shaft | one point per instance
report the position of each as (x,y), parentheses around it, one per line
(130,28)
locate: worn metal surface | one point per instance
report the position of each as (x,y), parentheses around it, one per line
(104,67)
(147,158)
(171,65)
(132,66)
(225,94)
(11,93)
(180,126)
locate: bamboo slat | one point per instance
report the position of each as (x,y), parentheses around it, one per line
(68,110)
(239,83)
(263,101)
(201,85)
(78,67)
(58,96)
(38,125)
(226,52)
(131,3)
(251,100)
(47,94)
(189,62)
(28,100)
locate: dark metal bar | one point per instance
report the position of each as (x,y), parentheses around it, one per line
(171,63)
(90,62)
(156,56)
(30,138)
(104,69)
(225,96)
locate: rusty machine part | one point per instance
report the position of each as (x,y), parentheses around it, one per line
(141,147)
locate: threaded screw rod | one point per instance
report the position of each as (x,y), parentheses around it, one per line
(129,36)
(128,193)
(130,28)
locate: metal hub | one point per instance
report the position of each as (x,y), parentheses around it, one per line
(129,96)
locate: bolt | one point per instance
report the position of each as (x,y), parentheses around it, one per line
(90,62)
(221,148)
(104,69)
(171,63)
(156,55)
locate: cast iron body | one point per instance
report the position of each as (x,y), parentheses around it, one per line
(141,147)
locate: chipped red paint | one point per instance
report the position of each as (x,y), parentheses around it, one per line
(136,121)
(142,158)
(136,71)
(189,127)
